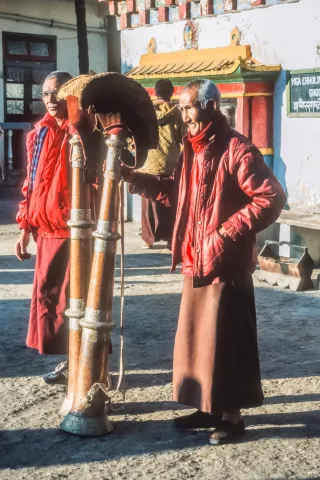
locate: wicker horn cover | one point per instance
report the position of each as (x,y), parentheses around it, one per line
(113,92)
(92,141)
(73,87)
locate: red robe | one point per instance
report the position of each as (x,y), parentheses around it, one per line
(45,211)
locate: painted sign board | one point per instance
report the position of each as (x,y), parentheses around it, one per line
(303,88)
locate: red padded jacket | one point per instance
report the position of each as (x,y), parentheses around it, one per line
(46,204)
(236,190)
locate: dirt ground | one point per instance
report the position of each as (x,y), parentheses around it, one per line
(282,440)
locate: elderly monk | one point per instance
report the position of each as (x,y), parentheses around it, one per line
(224,195)
(44,213)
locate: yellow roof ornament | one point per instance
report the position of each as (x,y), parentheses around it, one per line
(196,63)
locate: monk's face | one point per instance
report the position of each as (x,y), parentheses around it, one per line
(193,115)
(56,109)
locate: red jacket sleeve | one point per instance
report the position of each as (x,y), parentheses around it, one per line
(267,196)
(21,217)
(157,188)
(22,211)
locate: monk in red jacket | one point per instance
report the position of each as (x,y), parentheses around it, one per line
(44,213)
(224,194)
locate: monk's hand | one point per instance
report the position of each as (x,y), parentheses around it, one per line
(126,173)
(110,121)
(223,232)
(22,244)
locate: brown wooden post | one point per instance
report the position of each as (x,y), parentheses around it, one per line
(83,49)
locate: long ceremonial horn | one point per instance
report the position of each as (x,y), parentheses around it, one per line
(127,103)
(80,222)
(80,262)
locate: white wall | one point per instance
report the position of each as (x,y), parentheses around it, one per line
(286,34)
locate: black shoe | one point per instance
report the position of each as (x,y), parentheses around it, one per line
(227,432)
(197,419)
(57,376)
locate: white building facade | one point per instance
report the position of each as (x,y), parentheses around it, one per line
(37,37)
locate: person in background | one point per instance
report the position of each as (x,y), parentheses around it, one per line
(156,219)
(44,213)
(224,195)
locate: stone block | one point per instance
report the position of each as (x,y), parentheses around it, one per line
(230,5)
(149,4)
(207,7)
(131,6)
(282,281)
(185,11)
(163,14)
(125,20)
(113,8)
(144,17)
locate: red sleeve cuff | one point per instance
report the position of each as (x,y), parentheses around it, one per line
(24,225)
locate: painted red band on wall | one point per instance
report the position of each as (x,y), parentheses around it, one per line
(262,121)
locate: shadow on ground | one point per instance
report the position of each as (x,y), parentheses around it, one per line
(43,447)
(282,355)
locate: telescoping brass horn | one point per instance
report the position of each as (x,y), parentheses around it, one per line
(80,224)
(80,262)
(123,109)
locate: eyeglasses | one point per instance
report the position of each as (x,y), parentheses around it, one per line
(50,93)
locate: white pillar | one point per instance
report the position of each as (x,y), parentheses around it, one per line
(10,154)
(284,236)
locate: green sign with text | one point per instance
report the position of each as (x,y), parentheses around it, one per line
(304,93)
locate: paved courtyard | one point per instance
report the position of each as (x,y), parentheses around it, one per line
(283,436)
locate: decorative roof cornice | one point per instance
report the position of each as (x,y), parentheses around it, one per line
(209,62)
(137,13)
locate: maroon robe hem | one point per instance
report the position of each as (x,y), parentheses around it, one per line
(216,361)
(48,328)
(156,222)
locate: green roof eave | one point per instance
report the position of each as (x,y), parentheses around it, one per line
(240,75)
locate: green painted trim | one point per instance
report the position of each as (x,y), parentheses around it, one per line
(239,76)
(308,70)
(288,96)
(259,76)
(304,115)
(177,81)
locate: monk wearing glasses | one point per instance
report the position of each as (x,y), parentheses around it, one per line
(43,213)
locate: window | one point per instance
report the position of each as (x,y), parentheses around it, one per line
(15,107)
(27,47)
(36,91)
(17,47)
(15,94)
(27,60)
(15,90)
(39,49)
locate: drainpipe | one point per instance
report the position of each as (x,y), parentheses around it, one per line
(49,23)
(80,9)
